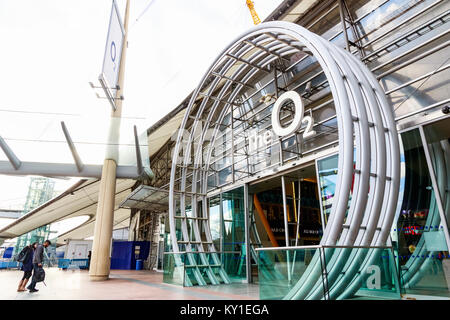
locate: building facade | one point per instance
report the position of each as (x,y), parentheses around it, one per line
(313,157)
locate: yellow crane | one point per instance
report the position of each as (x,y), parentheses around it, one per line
(251,7)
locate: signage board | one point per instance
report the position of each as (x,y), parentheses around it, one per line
(264,138)
(113,51)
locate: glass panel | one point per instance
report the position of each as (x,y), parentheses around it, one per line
(361,272)
(225,176)
(438,139)
(234,233)
(310,229)
(174,268)
(328,273)
(421,254)
(281,272)
(214,220)
(271,203)
(327,171)
(234,264)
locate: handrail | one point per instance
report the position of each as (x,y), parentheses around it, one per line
(322,246)
(202,252)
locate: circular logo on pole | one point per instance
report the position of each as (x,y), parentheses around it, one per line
(113,51)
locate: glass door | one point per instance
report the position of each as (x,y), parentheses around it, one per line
(437,136)
(422,228)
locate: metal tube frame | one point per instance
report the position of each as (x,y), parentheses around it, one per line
(342,97)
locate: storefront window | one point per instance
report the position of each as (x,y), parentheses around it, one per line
(422,251)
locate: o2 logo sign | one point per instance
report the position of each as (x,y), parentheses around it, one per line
(113,54)
(265,138)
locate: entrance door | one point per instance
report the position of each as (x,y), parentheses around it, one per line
(296,204)
(227,224)
(421,237)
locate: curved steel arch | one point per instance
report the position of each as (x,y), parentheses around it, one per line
(365,123)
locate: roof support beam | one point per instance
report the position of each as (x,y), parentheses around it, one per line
(266,50)
(232,80)
(247,63)
(140,168)
(10,154)
(72,148)
(64,170)
(217,99)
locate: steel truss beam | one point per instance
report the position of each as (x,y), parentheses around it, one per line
(72,148)
(65,170)
(14,161)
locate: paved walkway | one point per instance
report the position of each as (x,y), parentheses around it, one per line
(122,285)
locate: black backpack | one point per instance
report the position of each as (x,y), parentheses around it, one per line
(39,274)
(23,255)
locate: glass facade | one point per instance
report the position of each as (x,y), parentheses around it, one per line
(403,43)
(422,247)
(292,273)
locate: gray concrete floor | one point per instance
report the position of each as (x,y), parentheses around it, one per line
(132,285)
(122,285)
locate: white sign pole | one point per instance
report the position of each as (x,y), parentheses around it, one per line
(102,244)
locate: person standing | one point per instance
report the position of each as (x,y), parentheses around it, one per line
(27,266)
(89,259)
(38,258)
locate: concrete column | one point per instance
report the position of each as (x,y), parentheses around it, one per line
(101,248)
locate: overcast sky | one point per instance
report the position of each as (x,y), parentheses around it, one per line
(51,49)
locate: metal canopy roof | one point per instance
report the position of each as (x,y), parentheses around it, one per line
(147,198)
(127,164)
(164,132)
(291,10)
(121,220)
(79,200)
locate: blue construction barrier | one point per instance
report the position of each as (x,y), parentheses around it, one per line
(63,263)
(9,265)
(126,253)
(72,264)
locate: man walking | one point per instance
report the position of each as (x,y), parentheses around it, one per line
(38,258)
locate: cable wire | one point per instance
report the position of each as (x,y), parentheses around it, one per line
(75,142)
(142,13)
